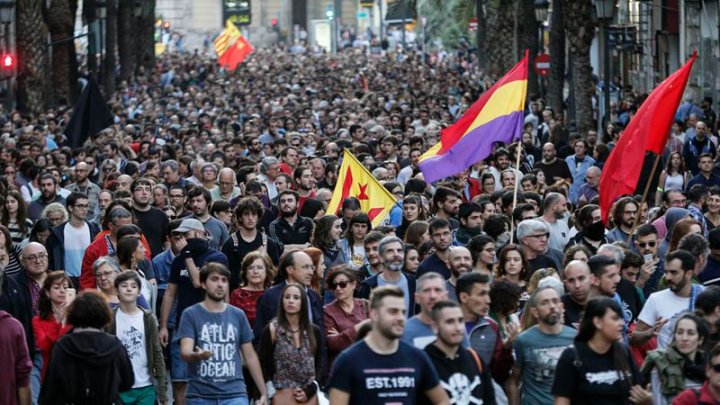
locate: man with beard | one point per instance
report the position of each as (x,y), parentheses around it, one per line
(577,282)
(392,252)
(470,215)
(254,149)
(381,368)
(210,333)
(374,263)
(85,186)
(153,222)
(538,349)
(554,208)
(48,195)
(661,307)
(291,230)
(460,263)
(199,201)
(445,205)
(430,289)
(590,189)
(556,170)
(461,371)
(441,237)
(624,219)
(184,283)
(305,185)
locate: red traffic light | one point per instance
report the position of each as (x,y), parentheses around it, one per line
(274,22)
(8,61)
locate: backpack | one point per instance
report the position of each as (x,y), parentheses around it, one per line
(262,249)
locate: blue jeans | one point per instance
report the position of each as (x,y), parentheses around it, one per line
(229,401)
(35,376)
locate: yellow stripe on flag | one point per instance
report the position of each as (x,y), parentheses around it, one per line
(354,180)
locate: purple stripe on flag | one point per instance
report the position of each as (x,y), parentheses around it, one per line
(473,147)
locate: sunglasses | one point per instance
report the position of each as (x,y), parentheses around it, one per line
(715,367)
(341,284)
(643,244)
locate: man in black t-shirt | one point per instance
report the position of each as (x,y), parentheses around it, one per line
(578,281)
(153,222)
(462,373)
(248,238)
(381,368)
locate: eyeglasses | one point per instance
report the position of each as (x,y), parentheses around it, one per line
(541,236)
(341,284)
(644,244)
(176,196)
(38,257)
(104,274)
(715,367)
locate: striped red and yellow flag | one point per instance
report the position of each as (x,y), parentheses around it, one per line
(228,37)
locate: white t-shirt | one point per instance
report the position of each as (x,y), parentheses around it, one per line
(663,304)
(76,241)
(131,332)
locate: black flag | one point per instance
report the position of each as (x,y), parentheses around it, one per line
(90,115)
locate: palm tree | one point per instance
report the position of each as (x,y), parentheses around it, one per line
(580,31)
(60,20)
(500,40)
(109,63)
(32,33)
(528,39)
(125,40)
(556,81)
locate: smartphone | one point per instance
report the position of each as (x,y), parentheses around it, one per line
(70,295)
(648,257)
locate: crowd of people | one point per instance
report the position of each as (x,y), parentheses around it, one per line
(188,253)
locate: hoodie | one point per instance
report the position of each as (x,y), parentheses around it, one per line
(87,367)
(15,360)
(672,216)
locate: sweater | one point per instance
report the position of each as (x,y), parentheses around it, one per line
(15,361)
(47,332)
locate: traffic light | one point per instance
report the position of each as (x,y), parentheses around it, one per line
(274,23)
(330,11)
(8,65)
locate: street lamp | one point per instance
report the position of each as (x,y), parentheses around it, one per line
(605,10)
(9,65)
(541,15)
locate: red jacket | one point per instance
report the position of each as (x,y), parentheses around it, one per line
(97,249)
(472,189)
(691,397)
(47,332)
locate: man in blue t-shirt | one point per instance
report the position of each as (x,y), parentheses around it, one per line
(538,349)
(381,368)
(210,334)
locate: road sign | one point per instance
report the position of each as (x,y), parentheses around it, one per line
(362,14)
(473,24)
(542,65)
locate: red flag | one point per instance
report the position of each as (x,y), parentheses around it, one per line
(647,132)
(235,54)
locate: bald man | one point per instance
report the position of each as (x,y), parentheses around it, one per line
(460,263)
(589,190)
(578,282)
(555,169)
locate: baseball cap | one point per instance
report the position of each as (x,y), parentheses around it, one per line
(190,224)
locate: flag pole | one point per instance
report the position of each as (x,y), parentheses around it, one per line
(644,196)
(518,152)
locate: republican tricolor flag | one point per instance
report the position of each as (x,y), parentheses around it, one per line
(496,117)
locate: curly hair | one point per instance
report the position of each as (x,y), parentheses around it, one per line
(504,296)
(503,259)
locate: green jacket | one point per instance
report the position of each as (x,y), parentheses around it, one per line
(155,358)
(669,364)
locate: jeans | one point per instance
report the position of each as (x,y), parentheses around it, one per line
(229,401)
(35,376)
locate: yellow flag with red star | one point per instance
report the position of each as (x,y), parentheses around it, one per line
(354,180)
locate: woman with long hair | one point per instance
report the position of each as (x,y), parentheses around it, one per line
(352,244)
(131,251)
(482,250)
(514,267)
(316,255)
(712,214)
(504,303)
(683,227)
(345,315)
(49,324)
(417,233)
(328,230)
(591,231)
(256,276)
(14,216)
(682,364)
(290,352)
(413,210)
(412,259)
(598,368)
(673,177)
(13,252)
